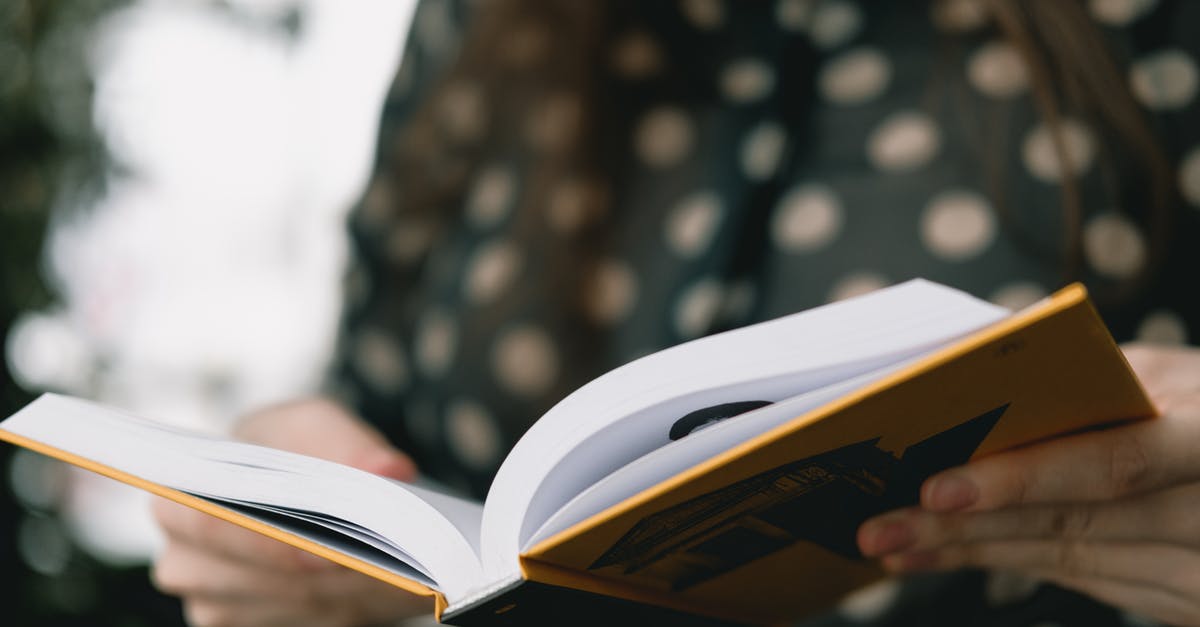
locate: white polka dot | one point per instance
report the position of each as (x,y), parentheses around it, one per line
(491,196)
(524,361)
(793,15)
(747,80)
(739,299)
(1041,156)
(1113,246)
(379,203)
(408,240)
(572,203)
(380,360)
(612,292)
(472,434)
(1163,327)
(435,342)
(1019,295)
(871,602)
(636,55)
(904,141)
(698,307)
(554,123)
(524,44)
(703,14)
(1007,588)
(1189,177)
(808,218)
(959,16)
(490,271)
(997,70)
(762,149)
(663,137)
(462,110)
(856,284)
(957,225)
(1120,12)
(692,223)
(834,23)
(1165,80)
(855,77)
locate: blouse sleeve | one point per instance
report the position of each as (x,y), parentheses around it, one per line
(369,369)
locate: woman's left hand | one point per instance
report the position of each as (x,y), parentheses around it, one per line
(1114,514)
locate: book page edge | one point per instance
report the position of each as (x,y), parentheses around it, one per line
(228,515)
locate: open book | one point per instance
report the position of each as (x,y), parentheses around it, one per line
(720,480)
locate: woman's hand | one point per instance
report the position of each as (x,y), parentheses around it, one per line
(228,575)
(1114,514)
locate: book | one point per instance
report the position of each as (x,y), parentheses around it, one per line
(718,481)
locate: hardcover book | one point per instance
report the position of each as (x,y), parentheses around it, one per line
(719,481)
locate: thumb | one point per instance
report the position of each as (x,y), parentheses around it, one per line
(385,460)
(323,429)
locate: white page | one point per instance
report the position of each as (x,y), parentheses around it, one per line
(341,527)
(464,514)
(334,540)
(669,460)
(240,472)
(627,412)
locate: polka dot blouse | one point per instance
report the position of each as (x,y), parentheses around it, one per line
(772,156)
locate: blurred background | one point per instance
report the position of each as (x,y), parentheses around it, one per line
(166,244)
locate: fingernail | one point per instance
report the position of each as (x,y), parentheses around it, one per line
(888,537)
(951,492)
(915,561)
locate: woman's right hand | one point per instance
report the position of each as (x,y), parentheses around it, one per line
(227,575)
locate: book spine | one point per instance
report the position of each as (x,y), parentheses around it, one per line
(535,603)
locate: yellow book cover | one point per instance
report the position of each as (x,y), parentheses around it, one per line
(765,532)
(762,531)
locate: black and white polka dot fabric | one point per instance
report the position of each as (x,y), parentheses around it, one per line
(773,156)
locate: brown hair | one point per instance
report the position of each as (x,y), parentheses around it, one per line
(1071,71)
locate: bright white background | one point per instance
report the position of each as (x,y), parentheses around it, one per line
(205,282)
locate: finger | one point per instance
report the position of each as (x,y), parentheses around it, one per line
(351,603)
(1168,373)
(324,429)
(1140,563)
(203,612)
(222,592)
(1170,516)
(194,528)
(1101,465)
(184,571)
(206,612)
